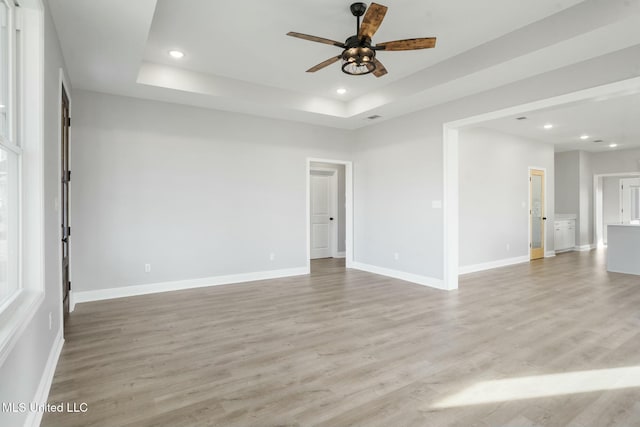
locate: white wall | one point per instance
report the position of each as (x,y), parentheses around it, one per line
(196,193)
(494,194)
(23,370)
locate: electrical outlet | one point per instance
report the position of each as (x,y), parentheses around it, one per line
(50,321)
(272,256)
(396,256)
(147,268)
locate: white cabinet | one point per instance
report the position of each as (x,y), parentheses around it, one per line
(565,234)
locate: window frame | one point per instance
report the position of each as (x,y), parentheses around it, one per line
(27,35)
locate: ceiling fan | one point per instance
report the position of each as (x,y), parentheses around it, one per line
(359,56)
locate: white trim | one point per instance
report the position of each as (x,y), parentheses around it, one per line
(583,248)
(407,277)
(340,255)
(333,208)
(152,288)
(450,208)
(348,192)
(42,393)
(549,254)
(450,165)
(492,264)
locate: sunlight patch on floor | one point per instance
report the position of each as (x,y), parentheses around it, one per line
(544,386)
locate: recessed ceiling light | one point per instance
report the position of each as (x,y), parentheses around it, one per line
(613,145)
(583,137)
(548,126)
(176,54)
(341,91)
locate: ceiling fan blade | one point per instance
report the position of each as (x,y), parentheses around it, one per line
(315,39)
(408,44)
(380,69)
(372,20)
(323,64)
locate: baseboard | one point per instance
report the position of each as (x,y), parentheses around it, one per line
(583,248)
(340,255)
(492,264)
(42,393)
(129,291)
(407,277)
(549,254)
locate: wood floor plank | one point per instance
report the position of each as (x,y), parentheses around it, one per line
(344,347)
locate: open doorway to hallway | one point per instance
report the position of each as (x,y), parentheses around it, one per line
(328,206)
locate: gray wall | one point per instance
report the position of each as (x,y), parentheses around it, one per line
(22,371)
(342,211)
(398,167)
(567,185)
(196,193)
(574,184)
(494,194)
(610,202)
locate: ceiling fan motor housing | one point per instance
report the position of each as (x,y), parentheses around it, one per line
(358,9)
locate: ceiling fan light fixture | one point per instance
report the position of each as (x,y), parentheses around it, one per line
(358,61)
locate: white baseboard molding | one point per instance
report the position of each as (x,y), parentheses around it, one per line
(407,277)
(340,255)
(466,269)
(583,248)
(152,288)
(42,393)
(550,254)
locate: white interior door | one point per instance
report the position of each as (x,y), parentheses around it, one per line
(321,183)
(630,201)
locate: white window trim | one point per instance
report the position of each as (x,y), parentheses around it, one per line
(18,311)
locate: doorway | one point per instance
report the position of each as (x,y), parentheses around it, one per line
(326,212)
(537,216)
(329,214)
(65,174)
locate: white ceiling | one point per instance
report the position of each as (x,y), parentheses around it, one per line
(246,40)
(614,120)
(238,57)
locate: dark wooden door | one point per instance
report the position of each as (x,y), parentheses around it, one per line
(64,203)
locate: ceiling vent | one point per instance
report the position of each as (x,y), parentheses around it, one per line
(374,117)
(521,118)
(597,140)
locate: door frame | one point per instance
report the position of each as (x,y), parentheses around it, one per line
(63,84)
(333,208)
(348,192)
(598,204)
(620,198)
(544,210)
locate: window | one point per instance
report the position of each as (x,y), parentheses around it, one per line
(21,168)
(10,154)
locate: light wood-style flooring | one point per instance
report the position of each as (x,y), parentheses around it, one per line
(552,343)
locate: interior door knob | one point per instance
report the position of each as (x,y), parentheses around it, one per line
(330,219)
